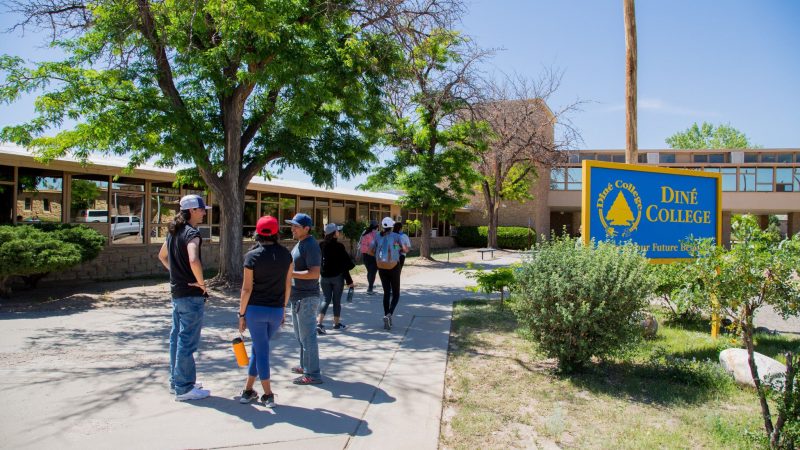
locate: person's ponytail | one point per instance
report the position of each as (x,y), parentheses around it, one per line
(179,221)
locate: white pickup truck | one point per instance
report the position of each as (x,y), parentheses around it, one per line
(121,225)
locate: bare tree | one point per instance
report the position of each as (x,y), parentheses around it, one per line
(524,135)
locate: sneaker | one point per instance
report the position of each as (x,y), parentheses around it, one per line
(390,321)
(387,322)
(305,379)
(194,394)
(198,385)
(339,326)
(248,396)
(370,292)
(268,400)
(298,369)
(321,329)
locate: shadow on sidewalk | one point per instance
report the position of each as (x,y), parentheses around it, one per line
(356,390)
(317,420)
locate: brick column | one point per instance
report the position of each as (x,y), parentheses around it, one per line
(793,224)
(726,229)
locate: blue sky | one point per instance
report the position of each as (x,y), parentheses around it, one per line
(731,61)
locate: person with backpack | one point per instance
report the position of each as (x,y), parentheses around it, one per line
(398,228)
(368,255)
(335,273)
(387,248)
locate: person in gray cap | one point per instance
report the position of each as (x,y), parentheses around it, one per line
(181,255)
(336,266)
(305,298)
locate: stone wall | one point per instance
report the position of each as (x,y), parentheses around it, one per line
(118,262)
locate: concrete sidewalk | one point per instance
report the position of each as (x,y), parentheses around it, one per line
(97,378)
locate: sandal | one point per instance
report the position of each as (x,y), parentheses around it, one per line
(298,369)
(305,379)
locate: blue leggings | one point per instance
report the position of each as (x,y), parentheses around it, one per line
(263,322)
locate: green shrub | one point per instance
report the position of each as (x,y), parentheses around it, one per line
(582,301)
(32,252)
(496,280)
(515,238)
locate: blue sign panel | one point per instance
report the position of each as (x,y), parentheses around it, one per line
(653,207)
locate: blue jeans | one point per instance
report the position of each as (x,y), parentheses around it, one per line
(332,288)
(304,311)
(187,320)
(263,322)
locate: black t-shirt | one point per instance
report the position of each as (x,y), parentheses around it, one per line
(180,272)
(269,263)
(335,260)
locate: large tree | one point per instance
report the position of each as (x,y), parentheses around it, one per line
(433,153)
(524,134)
(226,86)
(708,136)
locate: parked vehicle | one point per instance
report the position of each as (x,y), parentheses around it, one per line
(121,225)
(92,215)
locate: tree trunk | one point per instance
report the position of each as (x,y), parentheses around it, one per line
(425,242)
(231,206)
(493,211)
(747,337)
(631,145)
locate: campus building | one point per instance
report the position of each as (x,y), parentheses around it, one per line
(133,209)
(760,181)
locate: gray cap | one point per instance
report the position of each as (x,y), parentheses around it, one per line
(332,227)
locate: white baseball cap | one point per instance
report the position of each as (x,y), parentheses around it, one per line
(192,201)
(387,222)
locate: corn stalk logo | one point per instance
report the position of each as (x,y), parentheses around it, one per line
(620,220)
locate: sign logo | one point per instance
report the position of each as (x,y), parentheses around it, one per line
(619,219)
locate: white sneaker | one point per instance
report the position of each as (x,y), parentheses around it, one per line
(198,385)
(194,394)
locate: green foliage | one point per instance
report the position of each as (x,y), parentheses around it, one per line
(515,238)
(756,271)
(413,227)
(787,402)
(671,282)
(496,280)
(88,240)
(517,183)
(84,192)
(352,231)
(707,136)
(582,301)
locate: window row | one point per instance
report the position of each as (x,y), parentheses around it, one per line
(734,179)
(701,158)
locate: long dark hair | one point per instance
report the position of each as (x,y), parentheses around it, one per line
(386,231)
(179,221)
(267,239)
(330,237)
(369,229)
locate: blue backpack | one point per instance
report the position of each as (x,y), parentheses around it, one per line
(387,252)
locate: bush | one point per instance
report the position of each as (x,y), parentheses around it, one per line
(31,252)
(582,301)
(515,238)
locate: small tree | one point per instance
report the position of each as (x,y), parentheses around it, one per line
(708,136)
(756,271)
(582,301)
(489,281)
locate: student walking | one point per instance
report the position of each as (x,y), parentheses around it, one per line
(336,266)
(181,255)
(406,241)
(266,285)
(305,298)
(368,255)
(387,248)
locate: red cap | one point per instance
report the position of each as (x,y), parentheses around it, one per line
(267,226)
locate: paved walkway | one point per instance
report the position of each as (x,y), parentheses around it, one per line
(83,375)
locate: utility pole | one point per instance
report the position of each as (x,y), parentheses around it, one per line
(631,146)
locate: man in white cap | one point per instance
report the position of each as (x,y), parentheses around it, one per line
(180,254)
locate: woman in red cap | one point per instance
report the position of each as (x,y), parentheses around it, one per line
(265,292)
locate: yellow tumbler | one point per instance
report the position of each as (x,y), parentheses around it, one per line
(241,352)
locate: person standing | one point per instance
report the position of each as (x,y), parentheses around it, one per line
(387,248)
(305,298)
(336,266)
(266,285)
(181,255)
(368,255)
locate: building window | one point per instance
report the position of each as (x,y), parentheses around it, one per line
(586,156)
(618,158)
(751,157)
(747,179)
(796,182)
(716,158)
(557,179)
(769,158)
(764,178)
(27,203)
(45,204)
(784,180)
(700,158)
(574,179)
(642,158)
(728,179)
(602,157)
(666,158)
(784,157)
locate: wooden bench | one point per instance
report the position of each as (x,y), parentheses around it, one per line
(483,252)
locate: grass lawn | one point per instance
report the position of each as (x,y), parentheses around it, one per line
(501,393)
